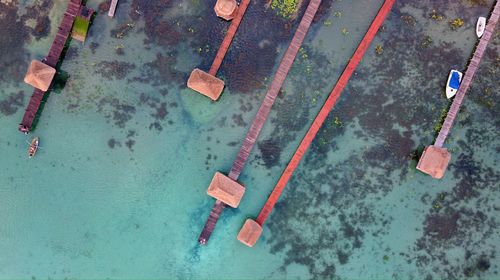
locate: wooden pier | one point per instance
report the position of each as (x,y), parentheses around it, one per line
(469,75)
(112,8)
(52,59)
(325,110)
(207,83)
(435,159)
(262,114)
(228,39)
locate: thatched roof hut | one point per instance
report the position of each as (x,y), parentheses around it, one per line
(250,233)
(226,190)
(205,84)
(226,9)
(39,75)
(434,161)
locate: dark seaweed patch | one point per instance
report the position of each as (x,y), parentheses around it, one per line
(39,11)
(113,142)
(93,47)
(14,101)
(120,113)
(270,152)
(14,35)
(397,113)
(114,69)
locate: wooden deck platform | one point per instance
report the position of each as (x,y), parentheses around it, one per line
(325,110)
(112,8)
(265,108)
(469,75)
(231,31)
(52,59)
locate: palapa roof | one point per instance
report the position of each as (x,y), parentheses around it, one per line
(205,84)
(434,161)
(226,9)
(226,190)
(250,233)
(39,75)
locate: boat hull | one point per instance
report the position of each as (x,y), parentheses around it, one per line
(453,83)
(480,26)
(33,147)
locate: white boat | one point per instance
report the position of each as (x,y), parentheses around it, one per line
(481,24)
(453,83)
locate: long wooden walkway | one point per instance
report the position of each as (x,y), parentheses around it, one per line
(325,110)
(262,114)
(112,8)
(231,31)
(52,58)
(469,75)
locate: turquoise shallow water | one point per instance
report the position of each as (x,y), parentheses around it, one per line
(118,188)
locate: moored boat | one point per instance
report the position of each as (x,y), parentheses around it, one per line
(453,83)
(480,26)
(33,147)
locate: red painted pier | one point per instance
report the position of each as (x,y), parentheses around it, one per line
(262,114)
(228,39)
(434,160)
(52,59)
(252,230)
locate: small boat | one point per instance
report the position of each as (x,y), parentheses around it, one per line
(481,24)
(453,83)
(33,147)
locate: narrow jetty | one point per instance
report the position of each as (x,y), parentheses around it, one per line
(112,8)
(435,158)
(228,39)
(262,114)
(51,60)
(207,83)
(252,230)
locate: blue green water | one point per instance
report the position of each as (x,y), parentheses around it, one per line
(118,189)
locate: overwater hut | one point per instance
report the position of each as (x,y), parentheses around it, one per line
(434,161)
(226,9)
(250,233)
(206,84)
(226,190)
(82,24)
(39,75)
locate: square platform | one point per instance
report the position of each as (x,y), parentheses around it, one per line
(434,161)
(250,233)
(39,75)
(226,190)
(205,84)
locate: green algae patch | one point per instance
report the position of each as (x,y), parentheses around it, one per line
(200,108)
(456,23)
(285,8)
(80,29)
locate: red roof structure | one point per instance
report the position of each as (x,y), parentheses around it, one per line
(226,190)
(434,161)
(205,84)
(39,75)
(226,9)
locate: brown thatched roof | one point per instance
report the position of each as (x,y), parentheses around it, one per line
(226,9)
(434,161)
(250,233)
(205,84)
(39,75)
(226,190)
